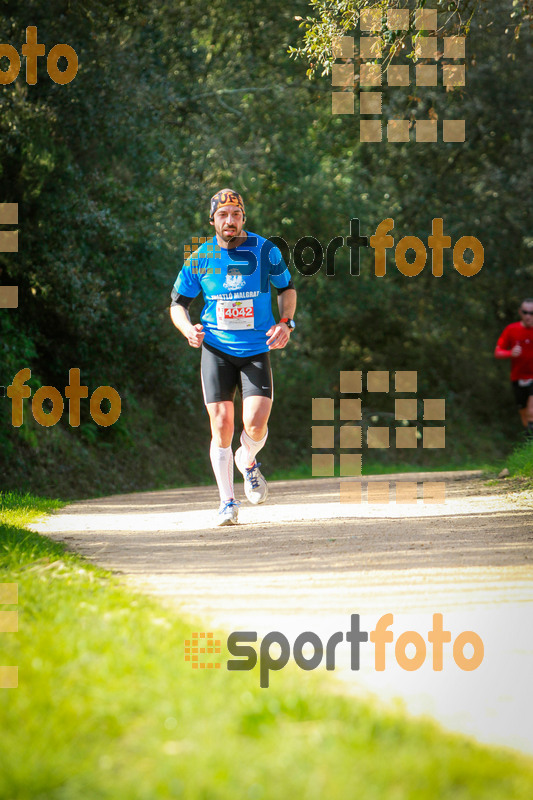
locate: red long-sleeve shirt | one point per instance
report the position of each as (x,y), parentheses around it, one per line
(522,365)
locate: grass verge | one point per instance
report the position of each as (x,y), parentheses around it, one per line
(520,462)
(106,707)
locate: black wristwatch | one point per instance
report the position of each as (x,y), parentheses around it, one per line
(289,322)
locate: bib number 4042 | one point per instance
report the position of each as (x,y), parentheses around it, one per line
(236,312)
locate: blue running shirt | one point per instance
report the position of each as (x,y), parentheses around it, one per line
(236,288)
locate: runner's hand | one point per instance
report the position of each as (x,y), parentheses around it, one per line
(279,336)
(516,351)
(195,336)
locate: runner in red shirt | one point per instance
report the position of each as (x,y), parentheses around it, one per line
(516,343)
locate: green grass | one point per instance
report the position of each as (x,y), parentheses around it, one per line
(107,708)
(520,463)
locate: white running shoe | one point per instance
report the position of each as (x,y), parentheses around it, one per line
(228,513)
(255,486)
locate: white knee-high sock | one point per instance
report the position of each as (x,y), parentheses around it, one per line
(250,447)
(222,463)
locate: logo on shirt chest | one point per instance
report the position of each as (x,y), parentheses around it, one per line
(234,283)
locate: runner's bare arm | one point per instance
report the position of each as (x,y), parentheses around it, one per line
(181,319)
(287,303)
(279,334)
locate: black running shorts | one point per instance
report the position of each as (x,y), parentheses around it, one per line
(222,374)
(522,394)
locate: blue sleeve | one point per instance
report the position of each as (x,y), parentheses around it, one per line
(279,273)
(187,282)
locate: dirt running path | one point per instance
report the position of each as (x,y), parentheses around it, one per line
(306,562)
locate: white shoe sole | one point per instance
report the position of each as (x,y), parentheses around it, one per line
(227,521)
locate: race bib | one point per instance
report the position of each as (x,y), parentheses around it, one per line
(233,315)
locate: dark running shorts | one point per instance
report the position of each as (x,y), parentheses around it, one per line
(522,393)
(222,374)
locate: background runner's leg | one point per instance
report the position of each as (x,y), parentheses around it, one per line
(255,414)
(529,415)
(530,408)
(221,416)
(525,413)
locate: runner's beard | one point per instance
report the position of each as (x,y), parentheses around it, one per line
(227,237)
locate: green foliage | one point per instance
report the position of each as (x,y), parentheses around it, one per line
(334,18)
(113,173)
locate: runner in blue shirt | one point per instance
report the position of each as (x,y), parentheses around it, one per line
(236,332)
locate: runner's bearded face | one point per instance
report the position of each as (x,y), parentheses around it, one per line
(228,222)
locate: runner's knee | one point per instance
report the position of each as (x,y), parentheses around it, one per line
(255,430)
(222,424)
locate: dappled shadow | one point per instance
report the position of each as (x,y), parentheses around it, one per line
(490,539)
(317,490)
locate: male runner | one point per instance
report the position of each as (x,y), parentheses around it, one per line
(516,343)
(236,332)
